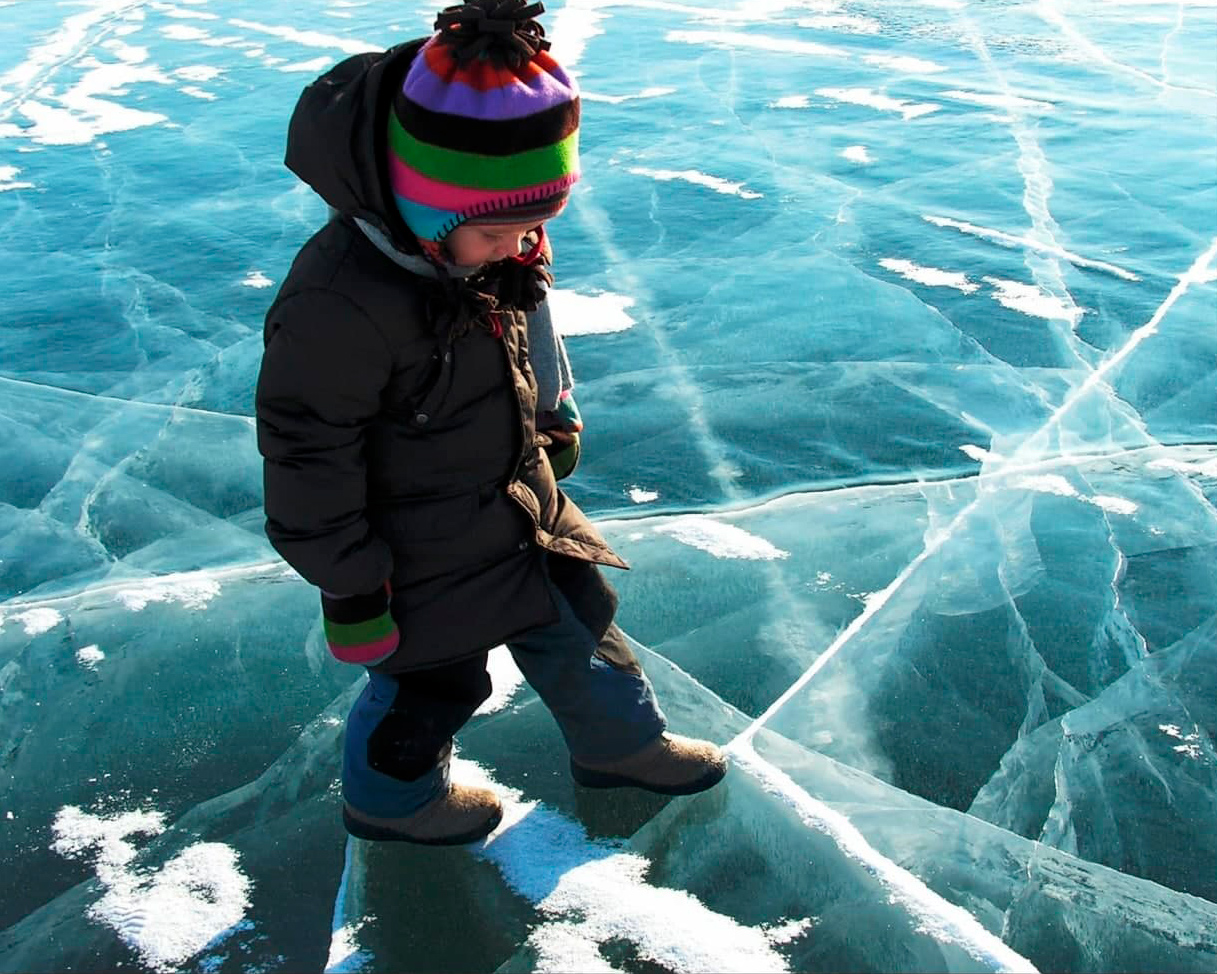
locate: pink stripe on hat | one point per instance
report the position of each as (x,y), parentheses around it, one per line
(410,184)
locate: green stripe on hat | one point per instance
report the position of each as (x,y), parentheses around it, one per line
(474,171)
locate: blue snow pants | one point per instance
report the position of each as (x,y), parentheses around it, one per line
(399,733)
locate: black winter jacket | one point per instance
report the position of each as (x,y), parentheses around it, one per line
(396,414)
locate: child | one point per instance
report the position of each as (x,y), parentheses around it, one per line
(413,404)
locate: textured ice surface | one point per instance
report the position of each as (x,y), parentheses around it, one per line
(895,332)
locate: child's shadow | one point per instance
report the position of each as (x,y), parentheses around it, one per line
(616,813)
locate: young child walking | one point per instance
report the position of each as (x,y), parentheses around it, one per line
(414,412)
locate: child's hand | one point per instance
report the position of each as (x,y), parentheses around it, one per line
(563,450)
(560,431)
(359,628)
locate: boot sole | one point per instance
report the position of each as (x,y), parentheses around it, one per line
(604,779)
(375,833)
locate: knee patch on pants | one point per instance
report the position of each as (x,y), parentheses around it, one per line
(406,746)
(429,706)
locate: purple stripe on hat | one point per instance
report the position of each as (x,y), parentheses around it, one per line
(544,91)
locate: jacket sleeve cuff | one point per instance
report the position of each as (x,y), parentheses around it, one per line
(359,628)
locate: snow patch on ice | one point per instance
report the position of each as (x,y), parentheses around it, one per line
(167,916)
(89,656)
(1008,102)
(184,32)
(698,178)
(309,38)
(1051,483)
(640,496)
(257,279)
(929,275)
(646,93)
(979,453)
(1116,505)
(193,900)
(857,154)
(1204,468)
(1030,300)
(1190,745)
(589,314)
(870,98)
(1047,483)
(572,27)
(791,930)
(561,947)
(592,891)
(1039,246)
(198,72)
(131,53)
(346,955)
(311,67)
(86,110)
(182,13)
(791,101)
(903,63)
(193,590)
(34,621)
(720,540)
(8,179)
(77,831)
(1190,748)
(61,44)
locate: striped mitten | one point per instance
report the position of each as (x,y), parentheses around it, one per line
(359,628)
(562,428)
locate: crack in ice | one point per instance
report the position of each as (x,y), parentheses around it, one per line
(1051,14)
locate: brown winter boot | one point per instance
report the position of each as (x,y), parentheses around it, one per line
(669,765)
(462,814)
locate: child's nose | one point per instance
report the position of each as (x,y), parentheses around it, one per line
(510,247)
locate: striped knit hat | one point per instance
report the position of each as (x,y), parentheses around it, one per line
(485,127)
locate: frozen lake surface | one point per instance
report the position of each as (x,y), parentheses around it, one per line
(895,331)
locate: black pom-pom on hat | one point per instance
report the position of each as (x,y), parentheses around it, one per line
(500,31)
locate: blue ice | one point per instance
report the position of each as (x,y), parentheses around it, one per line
(895,331)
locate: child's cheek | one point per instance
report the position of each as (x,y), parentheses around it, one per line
(468,254)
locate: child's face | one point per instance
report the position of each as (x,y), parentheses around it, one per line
(471,245)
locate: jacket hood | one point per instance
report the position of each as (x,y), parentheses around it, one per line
(337,138)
